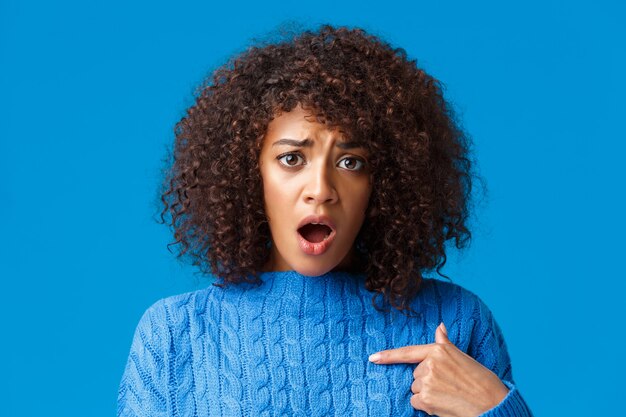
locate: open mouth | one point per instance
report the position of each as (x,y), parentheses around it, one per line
(315,233)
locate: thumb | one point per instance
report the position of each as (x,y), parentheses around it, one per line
(441,334)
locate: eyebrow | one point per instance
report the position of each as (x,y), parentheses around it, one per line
(307,143)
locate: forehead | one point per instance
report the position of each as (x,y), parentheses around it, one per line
(301,124)
(295,120)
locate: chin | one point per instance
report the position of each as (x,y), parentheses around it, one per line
(314,269)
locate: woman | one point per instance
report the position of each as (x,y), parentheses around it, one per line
(318,179)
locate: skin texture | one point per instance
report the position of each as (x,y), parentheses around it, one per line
(447,381)
(320,179)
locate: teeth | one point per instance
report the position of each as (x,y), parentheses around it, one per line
(323,224)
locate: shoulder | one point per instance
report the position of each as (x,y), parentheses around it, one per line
(466,303)
(175,311)
(449,295)
(464,313)
(445,287)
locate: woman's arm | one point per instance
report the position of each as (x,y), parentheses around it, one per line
(143,388)
(487,346)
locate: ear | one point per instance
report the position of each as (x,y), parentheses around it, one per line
(441,334)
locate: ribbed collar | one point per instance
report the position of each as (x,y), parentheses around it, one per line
(330,283)
(296,276)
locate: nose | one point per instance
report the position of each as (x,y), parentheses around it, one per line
(320,187)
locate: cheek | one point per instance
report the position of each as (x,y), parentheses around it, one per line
(359,202)
(274,195)
(363,198)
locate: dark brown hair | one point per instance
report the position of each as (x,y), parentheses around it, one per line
(418,153)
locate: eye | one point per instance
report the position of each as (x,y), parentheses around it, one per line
(351,164)
(290,159)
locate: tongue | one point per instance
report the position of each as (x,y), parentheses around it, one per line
(314,233)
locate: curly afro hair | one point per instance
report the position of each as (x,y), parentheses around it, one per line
(418,153)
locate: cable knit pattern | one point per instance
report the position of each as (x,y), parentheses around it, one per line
(298,346)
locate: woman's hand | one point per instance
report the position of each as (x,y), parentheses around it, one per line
(448,382)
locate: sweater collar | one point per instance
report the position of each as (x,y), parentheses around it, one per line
(294,281)
(295,275)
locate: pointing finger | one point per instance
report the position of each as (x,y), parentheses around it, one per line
(406,354)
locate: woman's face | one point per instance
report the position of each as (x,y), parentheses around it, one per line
(312,175)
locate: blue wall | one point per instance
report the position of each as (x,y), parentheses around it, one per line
(89,94)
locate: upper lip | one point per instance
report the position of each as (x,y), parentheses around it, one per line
(317,218)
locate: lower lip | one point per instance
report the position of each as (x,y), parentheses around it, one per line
(319,248)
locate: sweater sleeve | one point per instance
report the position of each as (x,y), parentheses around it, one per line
(143,388)
(489,348)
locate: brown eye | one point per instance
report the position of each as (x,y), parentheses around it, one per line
(289,159)
(351,164)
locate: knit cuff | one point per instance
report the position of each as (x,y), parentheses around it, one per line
(513,405)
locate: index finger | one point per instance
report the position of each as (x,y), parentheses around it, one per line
(405,354)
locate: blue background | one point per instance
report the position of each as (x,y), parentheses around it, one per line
(89,95)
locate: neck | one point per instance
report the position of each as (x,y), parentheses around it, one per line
(350,263)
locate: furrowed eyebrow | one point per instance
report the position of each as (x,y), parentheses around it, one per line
(307,143)
(299,143)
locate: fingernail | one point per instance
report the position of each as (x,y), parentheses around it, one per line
(374,357)
(443,327)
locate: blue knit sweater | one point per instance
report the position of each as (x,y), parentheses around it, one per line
(298,345)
